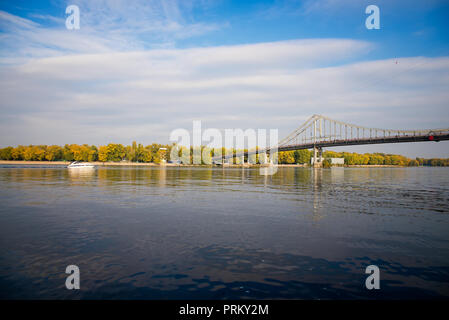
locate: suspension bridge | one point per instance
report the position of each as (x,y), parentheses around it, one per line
(319,132)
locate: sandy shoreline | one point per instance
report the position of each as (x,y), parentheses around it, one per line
(66,163)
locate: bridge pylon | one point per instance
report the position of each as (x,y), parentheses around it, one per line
(317,157)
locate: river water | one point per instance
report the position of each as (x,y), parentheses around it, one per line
(224,233)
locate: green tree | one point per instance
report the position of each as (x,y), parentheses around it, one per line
(327,163)
(147,154)
(375,159)
(140,153)
(93,154)
(133,152)
(302,156)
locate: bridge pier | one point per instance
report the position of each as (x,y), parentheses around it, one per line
(263,158)
(317,160)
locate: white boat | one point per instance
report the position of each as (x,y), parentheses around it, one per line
(80,165)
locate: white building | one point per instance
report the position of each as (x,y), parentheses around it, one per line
(337,160)
(334,161)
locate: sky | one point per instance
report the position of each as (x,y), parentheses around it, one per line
(137,70)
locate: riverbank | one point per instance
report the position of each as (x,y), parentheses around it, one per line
(142,164)
(130,164)
(66,163)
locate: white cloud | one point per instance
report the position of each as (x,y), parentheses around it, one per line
(106,26)
(11,21)
(103,84)
(143,95)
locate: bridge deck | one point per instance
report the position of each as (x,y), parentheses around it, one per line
(352,142)
(347,142)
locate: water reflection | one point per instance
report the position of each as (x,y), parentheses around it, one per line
(317,194)
(165,232)
(81,174)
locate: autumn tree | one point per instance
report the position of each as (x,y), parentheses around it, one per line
(6,153)
(103,153)
(287,157)
(54,153)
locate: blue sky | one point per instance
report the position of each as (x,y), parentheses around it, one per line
(136,70)
(408,28)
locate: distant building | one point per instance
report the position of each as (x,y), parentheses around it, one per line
(333,161)
(337,160)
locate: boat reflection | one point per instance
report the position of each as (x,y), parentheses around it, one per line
(81,173)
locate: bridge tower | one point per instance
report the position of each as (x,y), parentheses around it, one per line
(317,156)
(317,151)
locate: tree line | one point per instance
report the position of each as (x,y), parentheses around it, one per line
(74,152)
(304,156)
(155,153)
